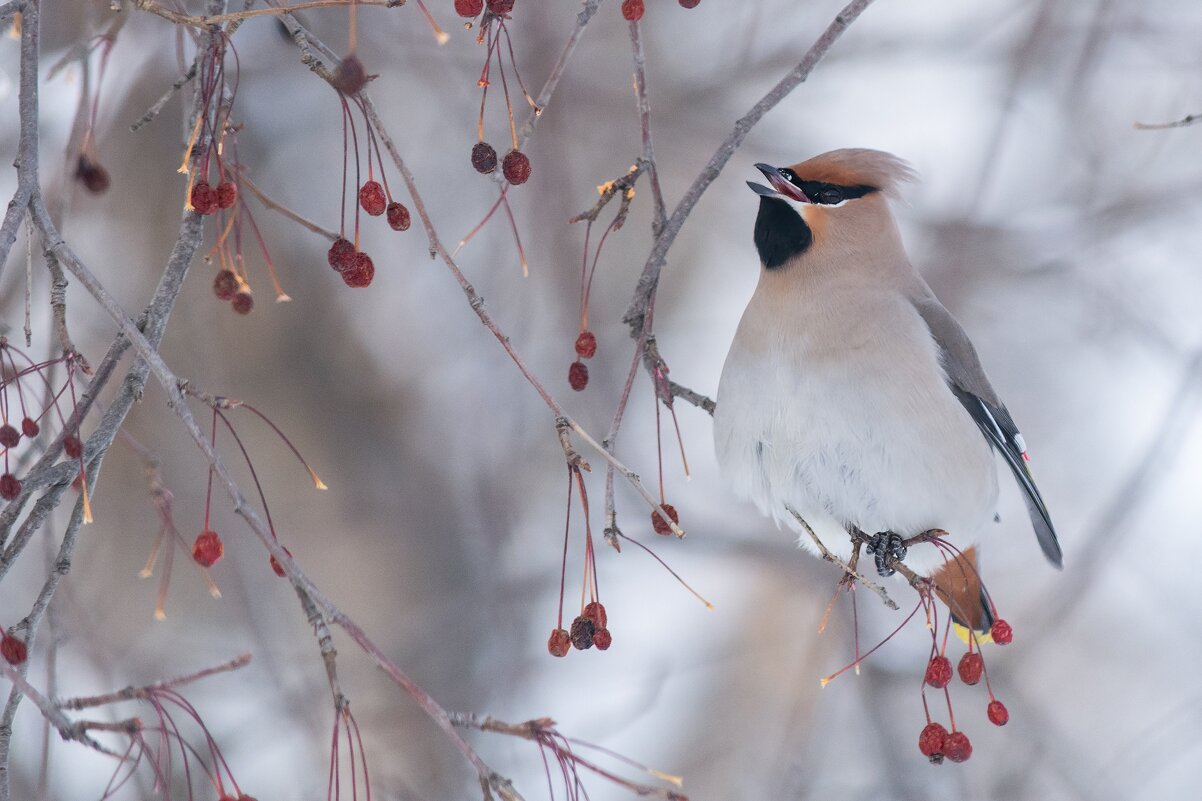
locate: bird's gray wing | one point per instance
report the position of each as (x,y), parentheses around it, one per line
(968,383)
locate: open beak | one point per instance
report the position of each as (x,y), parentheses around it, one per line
(781,186)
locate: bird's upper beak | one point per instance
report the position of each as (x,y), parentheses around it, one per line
(780,185)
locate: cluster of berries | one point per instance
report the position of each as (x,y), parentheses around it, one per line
(586,348)
(588,629)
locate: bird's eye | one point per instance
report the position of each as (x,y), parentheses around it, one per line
(830,195)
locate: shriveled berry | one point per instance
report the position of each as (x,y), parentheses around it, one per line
(956,747)
(29,427)
(632,10)
(9,436)
(208,548)
(203,198)
(582,633)
(939,672)
(931,740)
(276,567)
(398,216)
(500,6)
(371,198)
(578,376)
(1001,632)
(658,523)
(586,345)
(341,254)
(72,446)
(94,178)
(225,285)
(484,157)
(998,714)
(516,167)
(970,667)
(350,76)
(559,642)
(243,302)
(469,8)
(595,612)
(690,3)
(361,271)
(602,639)
(14,650)
(227,194)
(10,486)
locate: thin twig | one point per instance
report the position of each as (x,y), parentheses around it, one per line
(1184,122)
(847,569)
(266,200)
(143,693)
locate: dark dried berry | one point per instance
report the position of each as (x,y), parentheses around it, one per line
(243,302)
(632,10)
(398,216)
(602,639)
(998,714)
(94,178)
(14,651)
(500,6)
(582,633)
(939,672)
(970,667)
(203,198)
(371,198)
(208,548)
(578,376)
(1001,632)
(516,167)
(484,157)
(350,76)
(72,446)
(930,742)
(10,487)
(29,427)
(361,272)
(586,345)
(227,193)
(658,523)
(341,254)
(469,8)
(9,436)
(276,567)
(956,747)
(690,3)
(595,612)
(559,642)
(225,285)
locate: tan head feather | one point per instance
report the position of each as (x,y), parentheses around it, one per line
(857,167)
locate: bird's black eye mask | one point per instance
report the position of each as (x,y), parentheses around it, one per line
(824,194)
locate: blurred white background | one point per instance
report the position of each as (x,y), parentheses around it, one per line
(1065,240)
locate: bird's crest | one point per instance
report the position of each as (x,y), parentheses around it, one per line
(857,167)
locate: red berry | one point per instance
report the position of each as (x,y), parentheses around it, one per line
(500,6)
(632,10)
(602,639)
(72,446)
(970,667)
(586,345)
(29,427)
(225,285)
(93,177)
(578,376)
(559,642)
(243,302)
(227,193)
(956,747)
(658,523)
(998,714)
(350,76)
(595,612)
(360,273)
(469,8)
(690,3)
(939,672)
(10,486)
(516,167)
(203,198)
(14,651)
(371,198)
(930,741)
(398,216)
(341,254)
(582,633)
(1001,632)
(277,567)
(9,436)
(484,157)
(208,548)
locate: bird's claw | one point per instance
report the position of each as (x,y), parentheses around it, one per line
(888,548)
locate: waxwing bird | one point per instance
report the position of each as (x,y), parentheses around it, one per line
(850,395)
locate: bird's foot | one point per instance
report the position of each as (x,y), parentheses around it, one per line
(888,548)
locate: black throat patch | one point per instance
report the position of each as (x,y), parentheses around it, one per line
(780,233)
